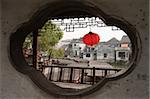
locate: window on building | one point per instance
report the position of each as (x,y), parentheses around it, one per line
(70,45)
(88,55)
(76,53)
(92,49)
(121,55)
(105,55)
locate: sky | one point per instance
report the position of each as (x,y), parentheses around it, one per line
(105,33)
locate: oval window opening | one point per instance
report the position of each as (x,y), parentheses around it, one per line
(77,53)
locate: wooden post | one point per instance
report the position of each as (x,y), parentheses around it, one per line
(105,73)
(71,74)
(50,76)
(82,76)
(60,75)
(93,76)
(34,46)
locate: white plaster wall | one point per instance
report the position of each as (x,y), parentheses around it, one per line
(15,85)
(88,58)
(82,46)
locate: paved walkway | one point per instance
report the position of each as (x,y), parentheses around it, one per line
(71,85)
(97,64)
(100,64)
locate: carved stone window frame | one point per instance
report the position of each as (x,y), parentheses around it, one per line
(69,9)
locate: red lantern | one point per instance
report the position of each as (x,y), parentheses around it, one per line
(91,39)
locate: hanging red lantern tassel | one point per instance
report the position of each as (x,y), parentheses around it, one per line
(91,39)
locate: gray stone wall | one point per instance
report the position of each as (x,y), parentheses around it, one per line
(15,85)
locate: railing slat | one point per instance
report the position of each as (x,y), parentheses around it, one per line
(71,73)
(105,73)
(50,77)
(82,76)
(93,75)
(60,75)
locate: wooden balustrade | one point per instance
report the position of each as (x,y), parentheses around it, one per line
(82,75)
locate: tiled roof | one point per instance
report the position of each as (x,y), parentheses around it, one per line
(113,40)
(76,40)
(125,39)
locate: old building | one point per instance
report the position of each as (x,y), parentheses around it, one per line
(110,51)
(75,48)
(123,51)
(106,50)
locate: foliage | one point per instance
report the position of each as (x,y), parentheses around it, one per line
(28,41)
(50,35)
(56,53)
(118,64)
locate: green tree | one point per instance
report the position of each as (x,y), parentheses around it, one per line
(57,53)
(50,34)
(28,42)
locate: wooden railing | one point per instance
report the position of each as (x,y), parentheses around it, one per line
(82,75)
